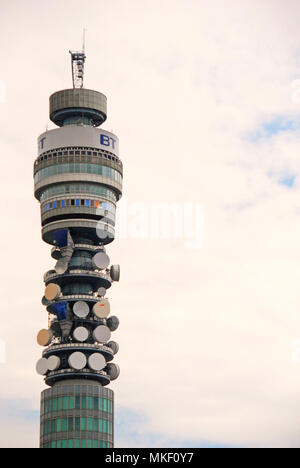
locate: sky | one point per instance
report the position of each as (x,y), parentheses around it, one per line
(205,99)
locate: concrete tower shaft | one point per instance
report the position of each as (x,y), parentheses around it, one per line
(78,181)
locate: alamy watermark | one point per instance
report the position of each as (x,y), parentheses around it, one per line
(159,221)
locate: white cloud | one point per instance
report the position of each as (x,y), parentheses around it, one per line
(206,336)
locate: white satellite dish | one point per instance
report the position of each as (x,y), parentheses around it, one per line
(101,260)
(81,309)
(102,334)
(42,366)
(81,334)
(61,266)
(96,362)
(53,363)
(77,361)
(101,292)
(102,308)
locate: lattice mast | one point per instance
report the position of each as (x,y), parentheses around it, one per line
(77,64)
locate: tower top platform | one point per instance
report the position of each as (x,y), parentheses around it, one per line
(73,104)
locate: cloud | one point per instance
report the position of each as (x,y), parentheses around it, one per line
(273,127)
(206,335)
(19,424)
(131,431)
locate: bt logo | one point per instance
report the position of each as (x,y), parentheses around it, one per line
(107,141)
(41,142)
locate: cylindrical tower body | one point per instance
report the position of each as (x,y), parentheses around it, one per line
(77,414)
(78,181)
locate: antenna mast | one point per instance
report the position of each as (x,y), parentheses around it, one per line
(77,64)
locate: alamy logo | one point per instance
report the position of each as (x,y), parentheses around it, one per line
(165,221)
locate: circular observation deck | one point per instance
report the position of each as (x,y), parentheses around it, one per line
(69,104)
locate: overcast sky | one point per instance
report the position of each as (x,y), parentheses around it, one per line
(204,98)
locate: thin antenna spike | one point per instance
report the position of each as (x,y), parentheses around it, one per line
(83,42)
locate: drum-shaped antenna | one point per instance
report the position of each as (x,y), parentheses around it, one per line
(52,291)
(113,371)
(115,272)
(45,301)
(101,260)
(62,266)
(113,323)
(102,308)
(42,366)
(101,292)
(44,337)
(81,334)
(96,362)
(81,309)
(77,361)
(55,253)
(113,346)
(53,363)
(102,334)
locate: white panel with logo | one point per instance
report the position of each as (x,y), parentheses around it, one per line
(75,135)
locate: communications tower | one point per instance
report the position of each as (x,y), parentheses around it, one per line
(78,181)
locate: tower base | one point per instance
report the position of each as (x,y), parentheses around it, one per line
(77,414)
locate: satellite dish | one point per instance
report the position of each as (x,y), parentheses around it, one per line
(102,308)
(81,309)
(55,253)
(65,327)
(56,328)
(101,292)
(44,337)
(48,273)
(81,334)
(53,363)
(61,266)
(102,334)
(101,260)
(115,272)
(113,371)
(113,323)
(113,346)
(66,253)
(52,291)
(42,366)
(96,362)
(77,361)
(45,301)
